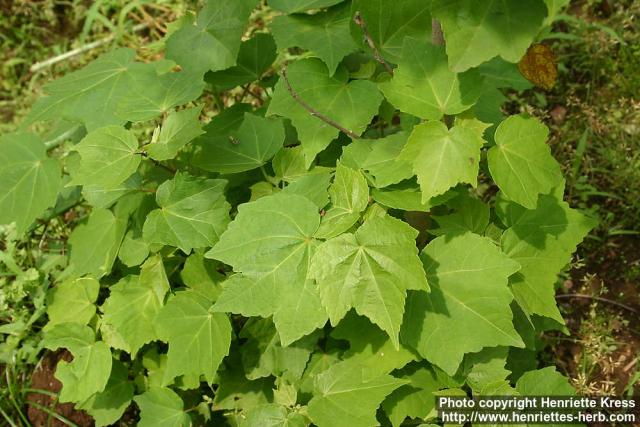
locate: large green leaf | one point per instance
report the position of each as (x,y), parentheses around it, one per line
(521,163)
(382,160)
(130,311)
(109,156)
(349,197)
(424,86)
(255,142)
(469,300)
(342,397)
(114,89)
(544,382)
(72,301)
(325,34)
(193,213)
(89,371)
(443,158)
(370,271)
(211,42)
(178,130)
(351,104)
(542,241)
(198,339)
(389,22)
(478,31)
(161,407)
(106,407)
(94,244)
(29,181)
(270,242)
(254,58)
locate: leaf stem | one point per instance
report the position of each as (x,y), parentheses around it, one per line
(313,111)
(357,18)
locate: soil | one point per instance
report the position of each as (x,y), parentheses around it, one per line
(43,379)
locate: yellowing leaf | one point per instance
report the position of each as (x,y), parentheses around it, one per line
(539,66)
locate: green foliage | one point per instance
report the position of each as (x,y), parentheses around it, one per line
(279,273)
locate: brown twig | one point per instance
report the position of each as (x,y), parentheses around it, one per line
(357,18)
(313,111)
(601,299)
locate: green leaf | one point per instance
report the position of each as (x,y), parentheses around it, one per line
(424,86)
(475,32)
(470,214)
(443,158)
(326,34)
(255,142)
(29,180)
(235,391)
(313,186)
(351,104)
(383,162)
(254,58)
(342,397)
(89,371)
(109,156)
(100,197)
(389,22)
(272,415)
(469,300)
(295,6)
(542,241)
(112,90)
(544,382)
(521,163)
(130,311)
(416,399)
(198,339)
(161,407)
(201,275)
(72,301)
(211,42)
(94,244)
(270,242)
(133,250)
(106,407)
(349,197)
(263,355)
(408,198)
(370,347)
(178,130)
(193,213)
(370,271)
(485,369)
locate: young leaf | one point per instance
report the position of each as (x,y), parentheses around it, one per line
(108,157)
(478,31)
(254,58)
(198,339)
(72,301)
(521,163)
(342,397)
(177,131)
(325,34)
(161,406)
(255,142)
(193,213)
(370,271)
(469,300)
(106,407)
(351,104)
(129,312)
(389,22)
(313,186)
(29,180)
(443,158)
(89,371)
(213,41)
(424,86)
(349,197)
(542,241)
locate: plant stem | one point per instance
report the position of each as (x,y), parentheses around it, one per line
(313,111)
(601,299)
(357,18)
